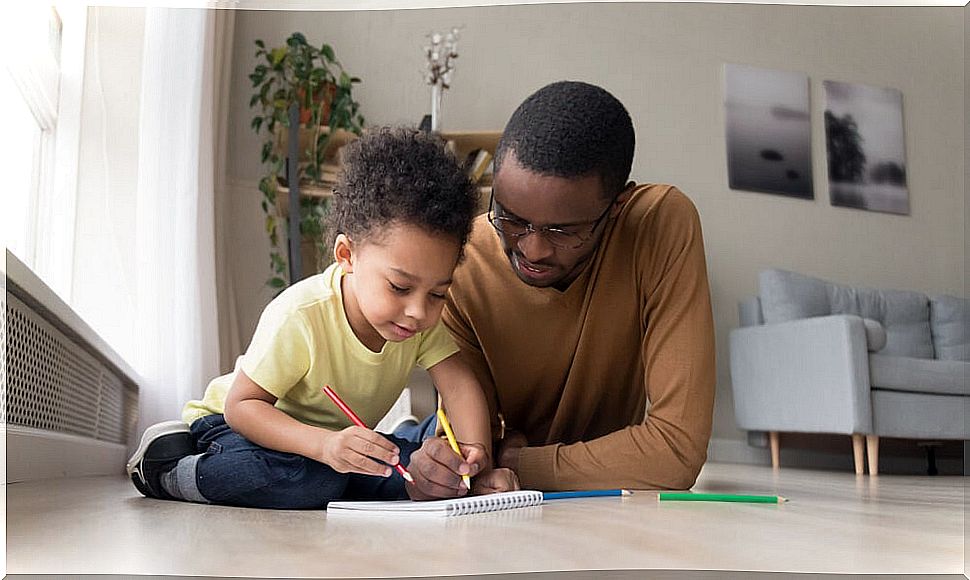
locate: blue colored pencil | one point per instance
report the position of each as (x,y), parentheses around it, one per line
(547,495)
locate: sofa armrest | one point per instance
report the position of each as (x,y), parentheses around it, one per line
(806,375)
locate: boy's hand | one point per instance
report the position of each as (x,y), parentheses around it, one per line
(355,449)
(494,481)
(437,469)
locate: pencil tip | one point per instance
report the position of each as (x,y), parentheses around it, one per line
(626,492)
(408,477)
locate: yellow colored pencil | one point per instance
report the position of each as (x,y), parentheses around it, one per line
(453,442)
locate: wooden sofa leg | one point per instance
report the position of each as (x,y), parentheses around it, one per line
(872,451)
(775,449)
(857,457)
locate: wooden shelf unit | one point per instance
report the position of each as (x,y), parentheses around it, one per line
(464,142)
(460,142)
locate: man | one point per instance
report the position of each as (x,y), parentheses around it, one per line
(583,305)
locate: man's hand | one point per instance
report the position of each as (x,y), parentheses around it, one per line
(509,449)
(437,469)
(494,481)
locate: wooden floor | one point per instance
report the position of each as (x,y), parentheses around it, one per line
(833,523)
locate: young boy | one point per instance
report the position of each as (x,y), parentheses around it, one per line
(266,435)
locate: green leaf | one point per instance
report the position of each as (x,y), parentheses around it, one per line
(277,55)
(328,54)
(344,80)
(277,282)
(260,43)
(256,123)
(295,39)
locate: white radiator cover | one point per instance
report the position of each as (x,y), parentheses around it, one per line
(70,403)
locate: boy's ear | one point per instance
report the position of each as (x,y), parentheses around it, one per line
(343,253)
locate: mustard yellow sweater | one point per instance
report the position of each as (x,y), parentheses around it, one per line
(577,370)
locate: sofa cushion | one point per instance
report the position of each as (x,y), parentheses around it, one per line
(950,325)
(919,416)
(789,296)
(918,375)
(904,315)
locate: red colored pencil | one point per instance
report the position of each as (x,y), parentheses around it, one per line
(356,420)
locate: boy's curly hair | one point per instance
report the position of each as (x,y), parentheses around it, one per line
(401,175)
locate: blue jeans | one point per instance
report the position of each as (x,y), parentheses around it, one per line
(232,470)
(416,433)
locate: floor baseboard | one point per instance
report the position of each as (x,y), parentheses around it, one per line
(34,454)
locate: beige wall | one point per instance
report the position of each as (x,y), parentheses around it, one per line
(664,61)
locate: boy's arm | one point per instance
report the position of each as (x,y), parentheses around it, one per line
(436,467)
(465,405)
(249,411)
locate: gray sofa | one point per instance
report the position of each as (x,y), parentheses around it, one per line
(816,357)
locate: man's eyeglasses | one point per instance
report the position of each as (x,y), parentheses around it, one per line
(557,236)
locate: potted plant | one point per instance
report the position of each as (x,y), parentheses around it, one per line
(312,77)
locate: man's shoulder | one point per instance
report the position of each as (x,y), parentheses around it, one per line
(657,211)
(654,198)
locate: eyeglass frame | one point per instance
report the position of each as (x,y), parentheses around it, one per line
(531,229)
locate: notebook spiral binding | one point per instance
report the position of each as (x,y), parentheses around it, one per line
(491,503)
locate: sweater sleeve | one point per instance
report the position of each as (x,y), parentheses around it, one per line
(470,352)
(668,449)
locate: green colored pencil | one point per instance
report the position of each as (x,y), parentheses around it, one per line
(674,496)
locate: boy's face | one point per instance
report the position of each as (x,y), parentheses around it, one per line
(396,282)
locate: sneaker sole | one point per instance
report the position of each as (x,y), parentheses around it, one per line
(151,433)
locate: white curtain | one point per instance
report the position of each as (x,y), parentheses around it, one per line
(181,151)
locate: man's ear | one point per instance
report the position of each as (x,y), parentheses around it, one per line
(343,253)
(622,197)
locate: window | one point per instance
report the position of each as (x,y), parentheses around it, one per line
(41,90)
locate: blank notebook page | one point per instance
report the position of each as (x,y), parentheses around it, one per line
(443,507)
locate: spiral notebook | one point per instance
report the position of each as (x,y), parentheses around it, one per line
(443,507)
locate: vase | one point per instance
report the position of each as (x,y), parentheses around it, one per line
(436,107)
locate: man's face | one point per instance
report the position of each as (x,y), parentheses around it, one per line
(571,205)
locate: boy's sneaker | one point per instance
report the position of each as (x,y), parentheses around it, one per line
(161,447)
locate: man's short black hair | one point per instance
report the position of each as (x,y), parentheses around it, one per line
(571,129)
(401,176)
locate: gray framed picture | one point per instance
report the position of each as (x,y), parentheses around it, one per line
(769,130)
(865,147)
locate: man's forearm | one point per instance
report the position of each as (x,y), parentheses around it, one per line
(637,457)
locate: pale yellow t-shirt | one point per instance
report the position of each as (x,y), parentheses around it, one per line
(304,341)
